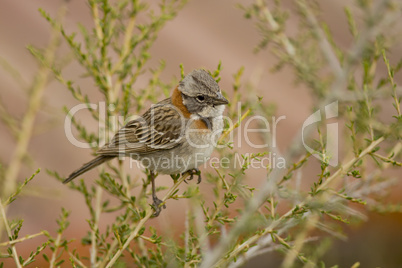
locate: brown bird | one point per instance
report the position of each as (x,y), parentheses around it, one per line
(174,136)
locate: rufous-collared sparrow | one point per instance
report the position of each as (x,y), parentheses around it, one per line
(174,136)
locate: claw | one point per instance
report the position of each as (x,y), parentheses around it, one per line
(157,206)
(192,172)
(157,202)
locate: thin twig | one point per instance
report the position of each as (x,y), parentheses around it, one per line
(142,222)
(300,240)
(213,259)
(325,46)
(28,120)
(95,226)
(77,260)
(16,241)
(237,124)
(9,233)
(53,259)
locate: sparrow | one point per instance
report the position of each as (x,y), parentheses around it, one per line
(175,136)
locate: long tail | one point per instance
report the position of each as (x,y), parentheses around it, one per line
(88,166)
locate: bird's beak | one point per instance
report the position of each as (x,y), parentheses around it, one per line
(220,100)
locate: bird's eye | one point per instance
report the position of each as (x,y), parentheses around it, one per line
(200,98)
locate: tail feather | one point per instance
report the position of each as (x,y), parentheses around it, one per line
(88,166)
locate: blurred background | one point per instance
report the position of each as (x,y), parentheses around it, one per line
(204,33)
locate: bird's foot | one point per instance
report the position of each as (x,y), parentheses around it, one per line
(192,172)
(157,206)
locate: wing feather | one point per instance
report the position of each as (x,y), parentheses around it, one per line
(160,128)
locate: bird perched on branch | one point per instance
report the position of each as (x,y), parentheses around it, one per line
(174,136)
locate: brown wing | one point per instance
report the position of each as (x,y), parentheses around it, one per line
(160,128)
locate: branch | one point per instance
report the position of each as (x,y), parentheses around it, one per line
(140,224)
(95,225)
(28,121)
(217,258)
(322,41)
(12,242)
(10,235)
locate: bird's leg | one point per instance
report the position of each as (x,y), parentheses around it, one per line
(156,201)
(192,172)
